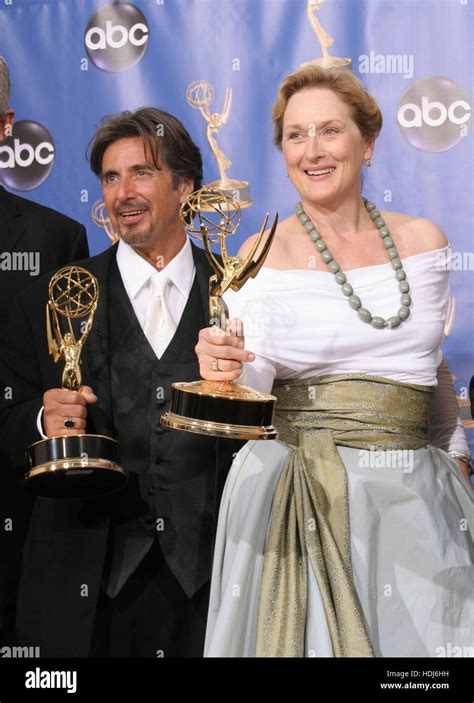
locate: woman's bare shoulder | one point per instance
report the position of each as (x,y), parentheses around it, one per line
(414,235)
(283,228)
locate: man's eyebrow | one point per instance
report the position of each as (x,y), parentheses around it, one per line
(144,167)
(134,168)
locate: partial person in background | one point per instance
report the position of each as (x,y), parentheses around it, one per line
(471,395)
(352,535)
(42,240)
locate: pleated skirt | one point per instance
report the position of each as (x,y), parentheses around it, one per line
(412,529)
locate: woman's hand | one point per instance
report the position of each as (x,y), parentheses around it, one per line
(221,354)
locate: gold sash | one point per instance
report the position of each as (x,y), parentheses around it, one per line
(310,513)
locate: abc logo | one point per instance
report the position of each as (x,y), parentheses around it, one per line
(433,114)
(116,37)
(27,156)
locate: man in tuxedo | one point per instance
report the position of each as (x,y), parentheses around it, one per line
(127,574)
(33,240)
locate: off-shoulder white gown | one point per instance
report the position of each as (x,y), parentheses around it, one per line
(411,530)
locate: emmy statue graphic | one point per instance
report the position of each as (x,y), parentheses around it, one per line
(101,218)
(324,40)
(83,465)
(200,95)
(222,408)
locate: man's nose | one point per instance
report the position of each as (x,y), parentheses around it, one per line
(126,189)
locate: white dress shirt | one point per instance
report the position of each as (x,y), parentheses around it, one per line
(136,273)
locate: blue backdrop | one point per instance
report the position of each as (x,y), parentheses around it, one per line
(415,56)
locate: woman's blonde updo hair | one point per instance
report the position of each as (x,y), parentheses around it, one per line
(365,111)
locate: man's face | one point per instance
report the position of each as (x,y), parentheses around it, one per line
(6,124)
(140,199)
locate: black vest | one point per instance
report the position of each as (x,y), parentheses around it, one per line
(171,492)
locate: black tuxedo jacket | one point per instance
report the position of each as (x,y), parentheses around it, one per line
(26,226)
(67,540)
(53,240)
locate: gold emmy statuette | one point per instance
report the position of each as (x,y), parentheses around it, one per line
(101,218)
(324,40)
(200,95)
(74,466)
(222,408)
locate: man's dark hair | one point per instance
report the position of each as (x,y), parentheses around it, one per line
(163,136)
(5,87)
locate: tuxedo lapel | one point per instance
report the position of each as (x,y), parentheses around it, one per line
(203,273)
(96,359)
(12,227)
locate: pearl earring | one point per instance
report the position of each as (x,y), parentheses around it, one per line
(368,162)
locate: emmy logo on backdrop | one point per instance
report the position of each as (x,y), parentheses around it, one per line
(200,95)
(325,41)
(101,218)
(222,408)
(83,465)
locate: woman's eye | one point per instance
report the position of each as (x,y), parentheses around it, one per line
(294,135)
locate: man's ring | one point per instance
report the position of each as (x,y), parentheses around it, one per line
(69,423)
(215,365)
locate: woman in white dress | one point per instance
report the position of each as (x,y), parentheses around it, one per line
(350,535)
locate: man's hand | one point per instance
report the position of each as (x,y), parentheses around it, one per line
(60,404)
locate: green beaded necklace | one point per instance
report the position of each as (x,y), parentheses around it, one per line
(354,300)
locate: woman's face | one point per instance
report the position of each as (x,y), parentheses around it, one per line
(322,146)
